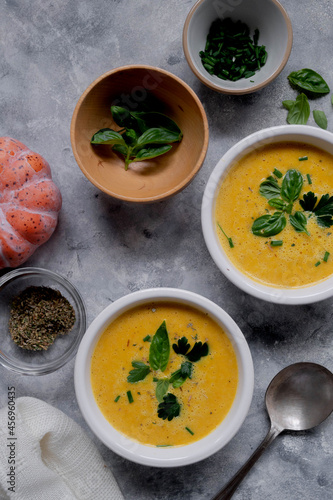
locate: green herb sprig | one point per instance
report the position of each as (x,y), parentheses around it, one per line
(143,135)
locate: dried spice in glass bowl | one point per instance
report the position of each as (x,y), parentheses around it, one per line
(38,315)
(44,293)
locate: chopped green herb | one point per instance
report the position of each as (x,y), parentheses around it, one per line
(231,244)
(169,407)
(163,445)
(277,173)
(147,338)
(130,397)
(139,372)
(276,243)
(230,52)
(327,254)
(317,264)
(189,430)
(117,399)
(303,158)
(309,178)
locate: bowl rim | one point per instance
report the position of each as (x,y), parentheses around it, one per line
(246,90)
(286,296)
(55,364)
(150,455)
(196,167)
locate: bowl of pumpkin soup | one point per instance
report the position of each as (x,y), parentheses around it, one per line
(267,214)
(164,377)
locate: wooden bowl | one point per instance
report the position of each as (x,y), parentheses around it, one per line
(150,180)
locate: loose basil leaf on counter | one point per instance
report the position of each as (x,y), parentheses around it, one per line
(288,104)
(169,407)
(139,372)
(300,111)
(151,152)
(291,185)
(270,188)
(159,350)
(299,221)
(309,80)
(162,387)
(107,136)
(269,225)
(320,118)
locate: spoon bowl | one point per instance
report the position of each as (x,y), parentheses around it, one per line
(298,398)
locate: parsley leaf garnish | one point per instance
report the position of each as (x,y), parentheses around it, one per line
(198,351)
(323,210)
(139,372)
(179,376)
(169,407)
(182,346)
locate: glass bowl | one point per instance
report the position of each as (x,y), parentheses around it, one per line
(63,349)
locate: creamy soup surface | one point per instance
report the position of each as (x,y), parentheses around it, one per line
(204,399)
(301,259)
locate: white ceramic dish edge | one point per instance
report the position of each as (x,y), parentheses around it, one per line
(149,455)
(297,133)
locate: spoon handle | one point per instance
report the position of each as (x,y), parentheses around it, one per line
(230,488)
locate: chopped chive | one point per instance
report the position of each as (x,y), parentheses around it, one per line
(231,244)
(189,430)
(130,397)
(276,243)
(277,173)
(317,264)
(147,338)
(117,399)
(327,254)
(303,158)
(163,445)
(309,178)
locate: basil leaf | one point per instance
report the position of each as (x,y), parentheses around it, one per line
(288,104)
(299,222)
(162,387)
(123,117)
(269,188)
(151,152)
(147,120)
(157,136)
(179,376)
(278,204)
(123,150)
(269,225)
(307,79)
(130,137)
(299,113)
(320,118)
(291,185)
(140,371)
(159,351)
(107,136)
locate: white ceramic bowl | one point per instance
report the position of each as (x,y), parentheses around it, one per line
(275,33)
(297,133)
(157,456)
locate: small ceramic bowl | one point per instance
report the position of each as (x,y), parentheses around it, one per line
(275,33)
(285,133)
(163,456)
(151,180)
(64,347)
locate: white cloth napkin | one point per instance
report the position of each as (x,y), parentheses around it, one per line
(53,458)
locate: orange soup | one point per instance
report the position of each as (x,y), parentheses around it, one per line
(290,181)
(185,395)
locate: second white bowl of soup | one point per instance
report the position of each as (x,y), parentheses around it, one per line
(267,214)
(164,377)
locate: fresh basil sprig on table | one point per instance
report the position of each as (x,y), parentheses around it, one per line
(308,80)
(144,135)
(320,118)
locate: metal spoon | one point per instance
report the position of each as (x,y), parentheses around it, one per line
(298,398)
